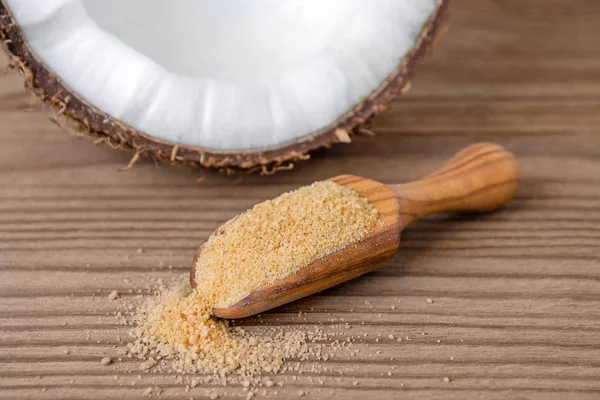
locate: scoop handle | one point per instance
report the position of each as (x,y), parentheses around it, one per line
(481,177)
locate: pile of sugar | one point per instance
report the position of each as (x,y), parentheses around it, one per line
(268,242)
(278,237)
(176,325)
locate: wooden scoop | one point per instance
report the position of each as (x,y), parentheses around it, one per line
(482,177)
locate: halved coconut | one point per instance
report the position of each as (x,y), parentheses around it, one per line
(225,83)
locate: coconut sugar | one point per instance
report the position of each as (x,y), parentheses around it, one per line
(273,240)
(278,237)
(177,325)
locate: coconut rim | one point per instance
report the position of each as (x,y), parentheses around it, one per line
(76,116)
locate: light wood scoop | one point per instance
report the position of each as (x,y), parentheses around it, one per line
(482,177)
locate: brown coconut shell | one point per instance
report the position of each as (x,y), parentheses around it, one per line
(74,115)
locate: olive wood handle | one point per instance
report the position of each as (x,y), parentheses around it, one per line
(482,177)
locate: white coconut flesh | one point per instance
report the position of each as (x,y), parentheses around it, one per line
(225,75)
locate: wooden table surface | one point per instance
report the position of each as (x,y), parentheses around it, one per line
(516,294)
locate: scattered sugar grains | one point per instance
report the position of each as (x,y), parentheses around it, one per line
(278,237)
(105,361)
(177,326)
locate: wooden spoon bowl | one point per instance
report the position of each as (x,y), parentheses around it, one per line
(480,178)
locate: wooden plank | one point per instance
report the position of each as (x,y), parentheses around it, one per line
(516,294)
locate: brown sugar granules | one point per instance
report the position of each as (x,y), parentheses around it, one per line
(278,237)
(177,326)
(268,242)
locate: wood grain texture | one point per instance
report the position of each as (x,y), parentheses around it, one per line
(516,294)
(480,178)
